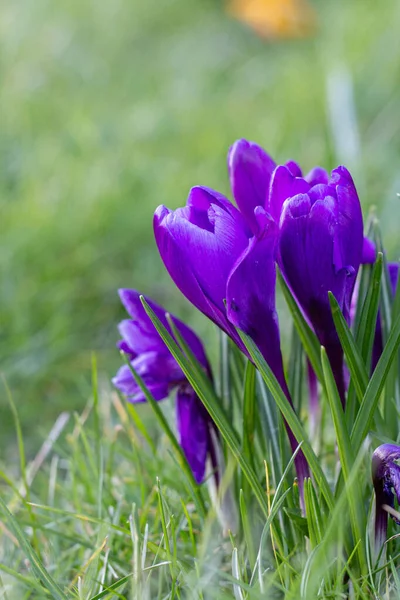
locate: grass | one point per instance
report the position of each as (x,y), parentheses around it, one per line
(110,109)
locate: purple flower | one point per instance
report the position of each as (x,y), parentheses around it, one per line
(161,373)
(386,480)
(320,250)
(223,268)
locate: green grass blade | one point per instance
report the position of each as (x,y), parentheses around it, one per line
(359,375)
(249,412)
(366,331)
(245,509)
(290,416)
(203,387)
(370,401)
(345,453)
(36,564)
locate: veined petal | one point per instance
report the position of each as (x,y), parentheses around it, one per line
(349,216)
(368,251)
(126,383)
(317,175)
(251,293)
(283,186)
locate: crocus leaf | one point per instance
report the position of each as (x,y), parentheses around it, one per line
(366,329)
(370,401)
(345,453)
(358,371)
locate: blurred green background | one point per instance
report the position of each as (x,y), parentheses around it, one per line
(111,108)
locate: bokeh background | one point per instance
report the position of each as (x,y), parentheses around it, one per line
(111,108)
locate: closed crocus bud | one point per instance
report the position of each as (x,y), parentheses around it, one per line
(161,373)
(386,480)
(320,250)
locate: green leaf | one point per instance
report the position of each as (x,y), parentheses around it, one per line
(36,564)
(373,392)
(249,411)
(366,330)
(359,375)
(204,389)
(345,454)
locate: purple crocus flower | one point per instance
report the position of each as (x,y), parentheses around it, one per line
(161,373)
(320,242)
(223,268)
(386,480)
(320,250)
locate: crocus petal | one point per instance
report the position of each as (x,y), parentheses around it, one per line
(349,216)
(192,425)
(283,186)
(123,346)
(294,168)
(368,252)
(126,383)
(317,175)
(157,366)
(140,334)
(251,293)
(250,169)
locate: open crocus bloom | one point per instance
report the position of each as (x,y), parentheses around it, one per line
(161,373)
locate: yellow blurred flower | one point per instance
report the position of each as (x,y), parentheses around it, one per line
(275,18)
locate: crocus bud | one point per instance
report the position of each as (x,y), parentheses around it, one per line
(320,250)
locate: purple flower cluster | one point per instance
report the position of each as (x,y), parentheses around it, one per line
(223,258)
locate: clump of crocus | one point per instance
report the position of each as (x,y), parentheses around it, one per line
(386,480)
(319,241)
(161,374)
(223,259)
